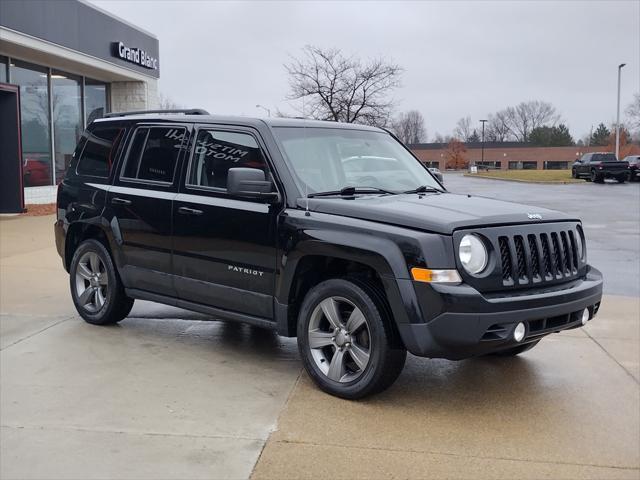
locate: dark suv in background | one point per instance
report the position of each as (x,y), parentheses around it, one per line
(278,223)
(634,167)
(595,167)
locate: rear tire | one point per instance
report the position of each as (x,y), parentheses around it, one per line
(596,178)
(345,340)
(512,352)
(622,178)
(96,289)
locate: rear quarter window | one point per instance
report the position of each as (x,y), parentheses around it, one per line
(98,154)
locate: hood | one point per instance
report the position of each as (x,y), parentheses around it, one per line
(440,213)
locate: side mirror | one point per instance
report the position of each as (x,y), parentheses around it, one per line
(250,183)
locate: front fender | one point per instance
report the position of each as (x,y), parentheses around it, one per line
(317,235)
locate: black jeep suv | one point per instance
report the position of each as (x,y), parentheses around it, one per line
(266,222)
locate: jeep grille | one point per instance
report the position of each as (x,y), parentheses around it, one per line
(529,256)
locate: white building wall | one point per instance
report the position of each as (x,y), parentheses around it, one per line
(127,96)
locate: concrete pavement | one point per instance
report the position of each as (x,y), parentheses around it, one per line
(569,408)
(162,395)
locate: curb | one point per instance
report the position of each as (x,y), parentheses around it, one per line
(516,180)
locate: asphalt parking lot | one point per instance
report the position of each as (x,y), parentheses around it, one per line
(165,395)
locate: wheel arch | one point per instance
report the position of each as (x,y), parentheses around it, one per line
(79,232)
(375,264)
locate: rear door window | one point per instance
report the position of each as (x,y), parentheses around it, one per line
(98,154)
(153,154)
(215,152)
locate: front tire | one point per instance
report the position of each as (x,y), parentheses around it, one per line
(345,339)
(96,289)
(574,173)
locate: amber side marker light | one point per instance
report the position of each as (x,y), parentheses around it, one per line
(435,276)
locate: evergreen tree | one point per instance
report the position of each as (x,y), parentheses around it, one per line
(600,136)
(551,136)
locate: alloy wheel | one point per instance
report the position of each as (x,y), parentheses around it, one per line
(339,339)
(92,282)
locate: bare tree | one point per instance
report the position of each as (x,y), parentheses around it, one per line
(463,130)
(166,103)
(343,89)
(409,127)
(497,127)
(439,138)
(633,113)
(527,116)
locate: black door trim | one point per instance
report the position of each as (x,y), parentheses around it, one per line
(219,313)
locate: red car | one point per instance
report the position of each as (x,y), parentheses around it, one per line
(37,170)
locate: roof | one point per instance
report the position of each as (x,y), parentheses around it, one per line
(238,120)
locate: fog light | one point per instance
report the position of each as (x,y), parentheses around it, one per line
(518,333)
(585,316)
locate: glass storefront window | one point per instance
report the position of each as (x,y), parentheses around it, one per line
(3,69)
(67,118)
(95,99)
(34,109)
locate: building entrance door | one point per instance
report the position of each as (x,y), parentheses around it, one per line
(11,189)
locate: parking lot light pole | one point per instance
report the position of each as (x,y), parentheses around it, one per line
(618,113)
(264,108)
(483,122)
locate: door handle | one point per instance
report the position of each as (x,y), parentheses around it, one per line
(120,201)
(189,211)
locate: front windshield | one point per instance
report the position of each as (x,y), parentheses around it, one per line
(330,159)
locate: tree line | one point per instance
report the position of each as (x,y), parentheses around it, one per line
(326,84)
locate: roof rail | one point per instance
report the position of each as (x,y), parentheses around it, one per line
(185,111)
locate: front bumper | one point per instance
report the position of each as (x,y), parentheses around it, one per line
(468,323)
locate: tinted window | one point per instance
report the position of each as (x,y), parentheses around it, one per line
(99,151)
(216,152)
(154,153)
(604,157)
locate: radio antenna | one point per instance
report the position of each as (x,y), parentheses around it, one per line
(304,142)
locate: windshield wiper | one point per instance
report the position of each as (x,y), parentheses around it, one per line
(424,189)
(351,191)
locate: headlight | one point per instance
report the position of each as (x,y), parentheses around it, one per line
(473,254)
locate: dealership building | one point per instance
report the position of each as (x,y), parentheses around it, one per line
(70,62)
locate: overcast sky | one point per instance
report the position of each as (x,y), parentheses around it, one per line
(460,58)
